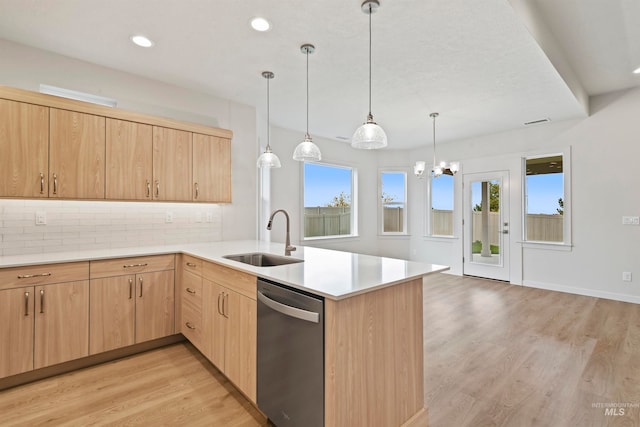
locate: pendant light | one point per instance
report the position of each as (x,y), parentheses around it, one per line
(369,136)
(307,151)
(268,159)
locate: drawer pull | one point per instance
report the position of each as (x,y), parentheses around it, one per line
(41,300)
(189,325)
(29,276)
(26,303)
(191,291)
(135,265)
(190,264)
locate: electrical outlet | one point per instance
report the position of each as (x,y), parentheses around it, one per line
(168,217)
(630,220)
(41,218)
(626,276)
(209,216)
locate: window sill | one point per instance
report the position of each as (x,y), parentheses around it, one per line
(552,246)
(329,238)
(440,238)
(401,236)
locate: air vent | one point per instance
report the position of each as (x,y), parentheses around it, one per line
(78,96)
(537,122)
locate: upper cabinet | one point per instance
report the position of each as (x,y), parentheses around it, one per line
(24,144)
(59,148)
(76,155)
(129,167)
(172,164)
(211,169)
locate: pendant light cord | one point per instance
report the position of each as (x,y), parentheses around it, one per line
(307,53)
(370,13)
(434,141)
(268,119)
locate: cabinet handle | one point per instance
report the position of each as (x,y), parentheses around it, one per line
(189,325)
(157,188)
(42,301)
(55,184)
(29,276)
(141,287)
(191,291)
(148,188)
(130,288)
(41,183)
(135,265)
(190,264)
(26,303)
(219,296)
(225,298)
(197,190)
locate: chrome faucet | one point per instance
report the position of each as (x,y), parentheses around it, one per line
(288,248)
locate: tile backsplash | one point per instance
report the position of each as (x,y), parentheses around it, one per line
(78,225)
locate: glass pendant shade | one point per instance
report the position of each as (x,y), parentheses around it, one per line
(268,159)
(307,151)
(369,136)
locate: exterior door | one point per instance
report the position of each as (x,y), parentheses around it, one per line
(486,225)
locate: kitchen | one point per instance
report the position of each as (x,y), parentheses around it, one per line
(609,129)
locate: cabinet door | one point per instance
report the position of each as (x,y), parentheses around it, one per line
(76,155)
(128,160)
(214,321)
(62,323)
(172,163)
(211,169)
(24,144)
(154,305)
(240,342)
(16,331)
(112,313)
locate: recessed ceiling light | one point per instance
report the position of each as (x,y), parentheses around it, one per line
(636,71)
(141,41)
(260,24)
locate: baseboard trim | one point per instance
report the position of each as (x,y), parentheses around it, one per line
(420,419)
(86,362)
(582,291)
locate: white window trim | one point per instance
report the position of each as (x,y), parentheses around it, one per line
(354,202)
(566,243)
(405,211)
(428,217)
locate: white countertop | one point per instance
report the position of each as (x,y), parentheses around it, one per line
(329,273)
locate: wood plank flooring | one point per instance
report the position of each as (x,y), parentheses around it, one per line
(495,355)
(170,386)
(504,355)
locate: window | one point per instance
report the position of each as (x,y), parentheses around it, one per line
(393,205)
(441,212)
(329,201)
(544,199)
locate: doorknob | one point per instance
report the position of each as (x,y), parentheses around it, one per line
(505,231)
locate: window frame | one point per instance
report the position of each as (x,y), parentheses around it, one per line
(354,201)
(429,210)
(567,209)
(405,211)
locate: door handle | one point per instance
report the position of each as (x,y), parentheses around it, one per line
(505,231)
(287,310)
(130,288)
(41,183)
(26,303)
(148,188)
(42,301)
(141,287)
(55,184)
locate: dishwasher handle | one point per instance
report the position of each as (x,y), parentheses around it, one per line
(287,310)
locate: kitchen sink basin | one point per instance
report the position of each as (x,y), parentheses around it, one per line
(261,259)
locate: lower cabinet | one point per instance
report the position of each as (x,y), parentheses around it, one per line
(132,308)
(43,323)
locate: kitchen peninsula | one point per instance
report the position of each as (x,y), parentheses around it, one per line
(373,346)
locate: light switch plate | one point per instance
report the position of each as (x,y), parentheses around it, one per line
(626,276)
(41,218)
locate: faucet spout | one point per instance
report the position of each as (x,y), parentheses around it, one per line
(288,248)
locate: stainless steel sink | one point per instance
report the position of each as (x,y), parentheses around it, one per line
(261,259)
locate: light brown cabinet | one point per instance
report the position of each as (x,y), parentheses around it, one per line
(129,171)
(44,313)
(24,144)
(131,308)
(172,164)
(76,155)
(211,169)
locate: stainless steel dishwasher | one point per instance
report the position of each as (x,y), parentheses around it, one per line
(290,355)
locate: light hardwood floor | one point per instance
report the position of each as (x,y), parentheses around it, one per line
(504,355)
(495,355)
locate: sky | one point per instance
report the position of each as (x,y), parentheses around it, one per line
(323,183)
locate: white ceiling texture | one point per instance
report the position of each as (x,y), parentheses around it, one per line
(485,65)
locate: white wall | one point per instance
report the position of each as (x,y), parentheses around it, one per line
(27,68)
(604,172)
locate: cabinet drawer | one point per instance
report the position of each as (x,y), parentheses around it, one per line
(133,265)
(238,281)
(191,324)
(191,288)
(16,277)
(192,264)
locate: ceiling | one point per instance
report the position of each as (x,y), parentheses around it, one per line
(483,65)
